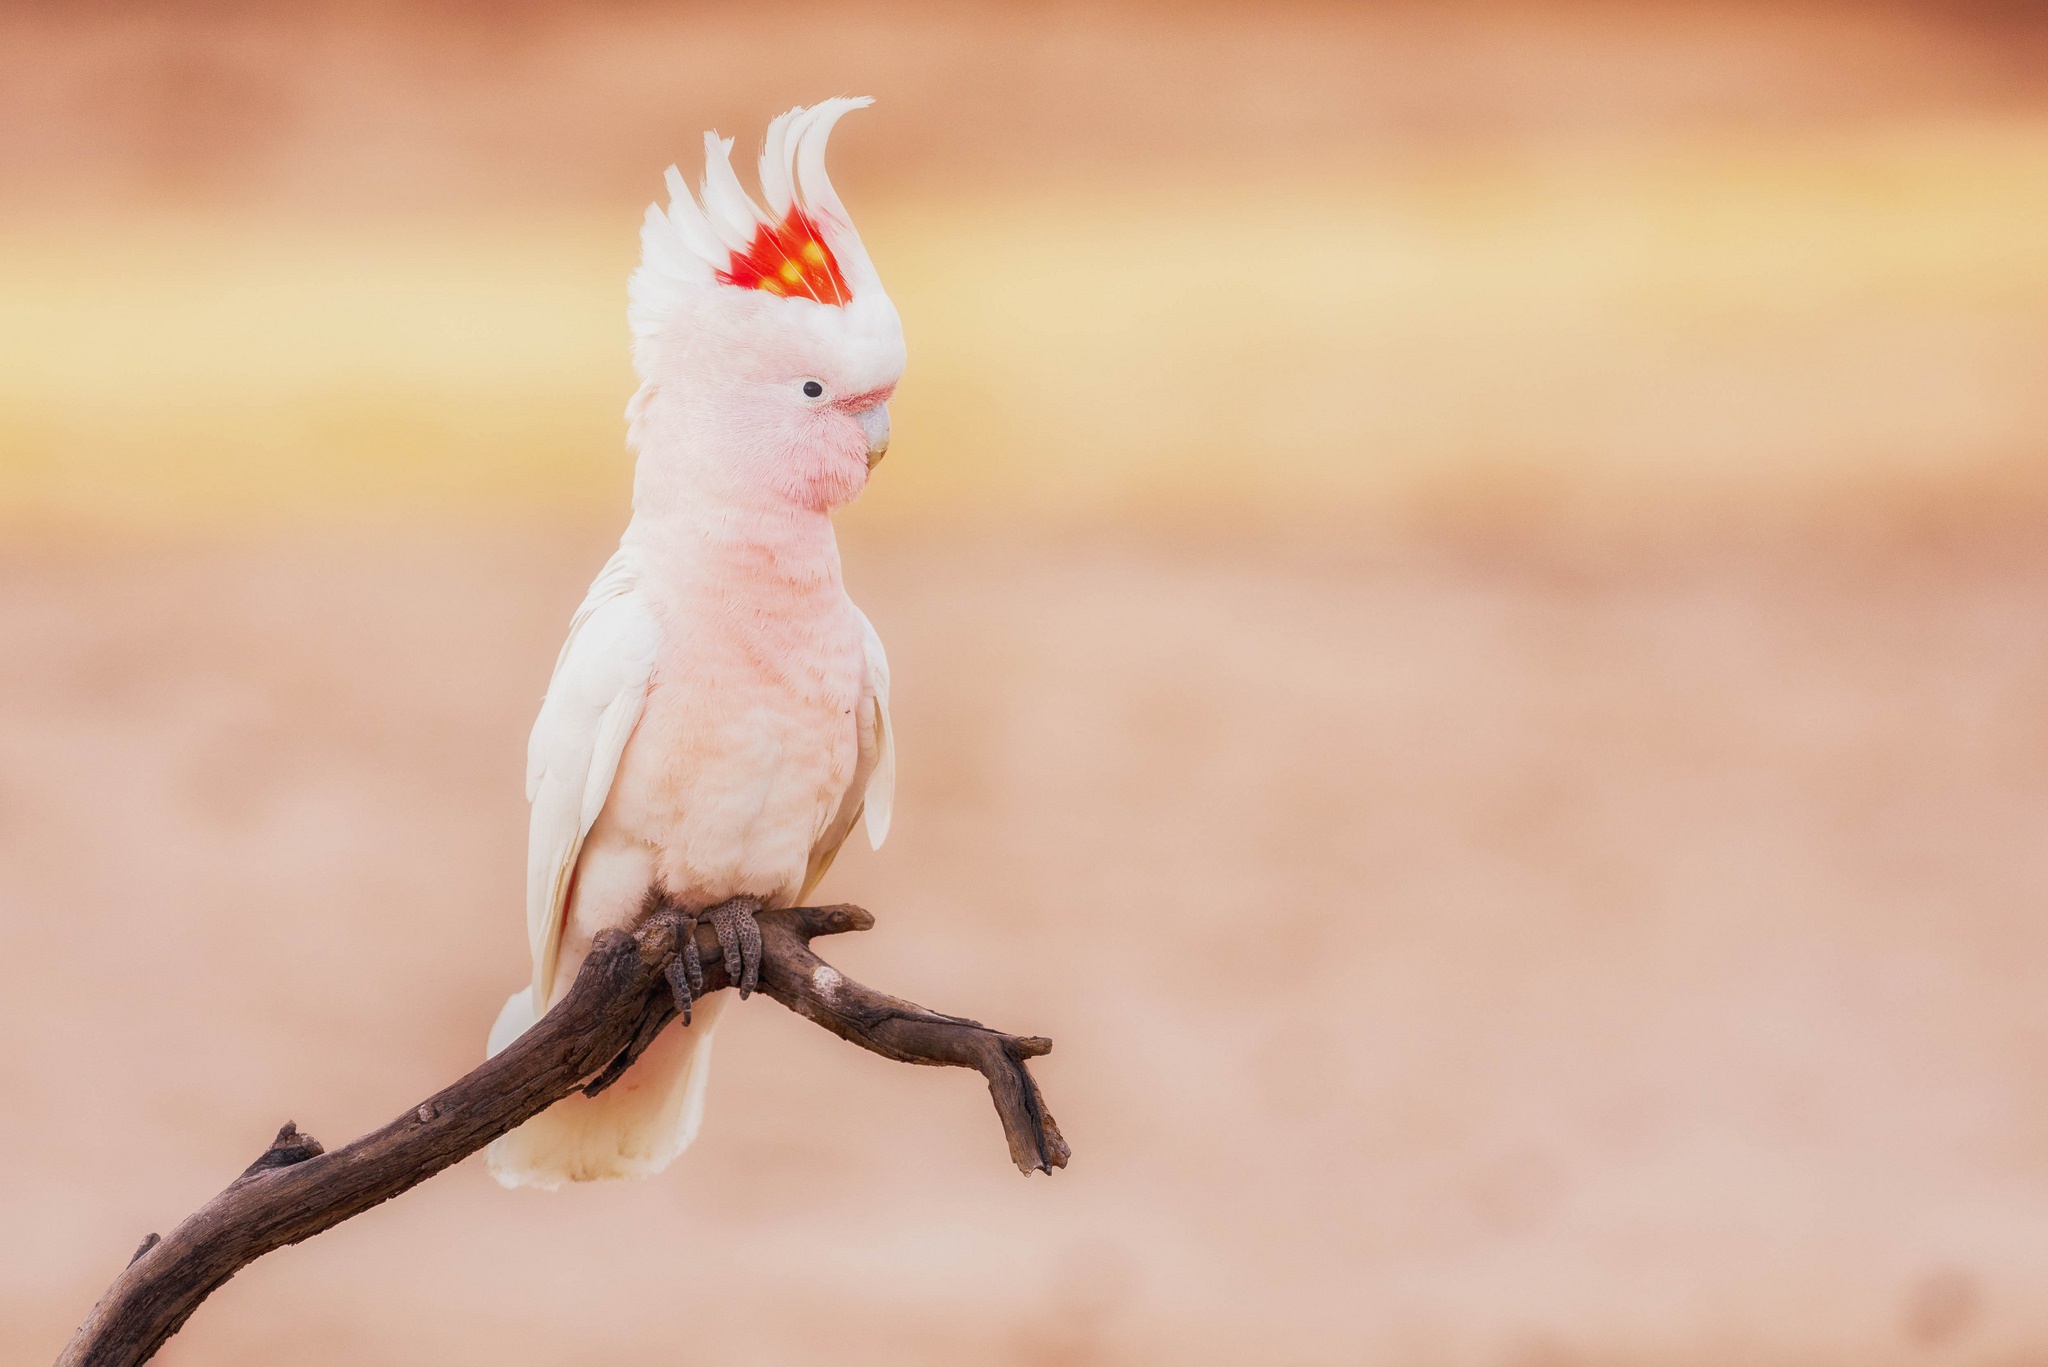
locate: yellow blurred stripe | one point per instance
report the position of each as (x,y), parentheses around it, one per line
(1763,321)
(179,369)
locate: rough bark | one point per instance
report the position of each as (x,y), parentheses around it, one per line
(619,1002)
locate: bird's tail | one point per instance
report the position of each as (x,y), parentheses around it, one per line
(631,1129)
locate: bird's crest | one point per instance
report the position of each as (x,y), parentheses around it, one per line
(800,245)
(789,258)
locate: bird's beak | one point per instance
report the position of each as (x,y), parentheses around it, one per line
(875,423)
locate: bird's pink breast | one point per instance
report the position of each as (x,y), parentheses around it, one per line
(749,740)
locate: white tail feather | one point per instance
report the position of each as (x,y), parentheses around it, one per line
(634,1128)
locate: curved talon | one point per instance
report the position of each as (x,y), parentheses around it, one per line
(685,973)
(679,986)
(739,935)
(693,965)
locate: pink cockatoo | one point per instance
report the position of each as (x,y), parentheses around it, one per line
(718,720)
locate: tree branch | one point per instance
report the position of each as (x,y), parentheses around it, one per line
(619,1002)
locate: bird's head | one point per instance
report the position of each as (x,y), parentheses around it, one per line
(766,347)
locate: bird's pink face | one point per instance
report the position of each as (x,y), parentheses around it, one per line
(809,386)
(828,438)
(770,395)
(766,347)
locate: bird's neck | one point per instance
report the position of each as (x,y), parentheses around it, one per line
(750,553)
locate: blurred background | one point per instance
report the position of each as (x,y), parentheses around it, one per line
(1468,586)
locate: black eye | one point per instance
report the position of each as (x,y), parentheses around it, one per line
(813,390)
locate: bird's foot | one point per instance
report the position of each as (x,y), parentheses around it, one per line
(740,936)
(685,971)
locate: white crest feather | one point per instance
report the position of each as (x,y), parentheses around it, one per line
(778,179)
(726,204)
(691,223)
(820,199)
(695,239)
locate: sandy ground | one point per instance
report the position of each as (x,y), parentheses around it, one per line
(1454,956)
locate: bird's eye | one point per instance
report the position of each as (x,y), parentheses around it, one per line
(813,390)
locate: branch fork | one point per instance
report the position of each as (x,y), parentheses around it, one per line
(630,986)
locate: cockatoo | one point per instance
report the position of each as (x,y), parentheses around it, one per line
(718,720)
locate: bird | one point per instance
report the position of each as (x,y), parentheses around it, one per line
(717,722)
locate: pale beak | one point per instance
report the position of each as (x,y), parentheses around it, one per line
(875,423)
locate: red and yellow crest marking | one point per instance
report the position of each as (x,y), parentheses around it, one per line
(789,258)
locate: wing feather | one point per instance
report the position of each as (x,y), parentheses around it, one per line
(594,701)
(879,791)
(873,790)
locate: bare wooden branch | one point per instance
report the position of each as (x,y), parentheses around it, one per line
(619,1002)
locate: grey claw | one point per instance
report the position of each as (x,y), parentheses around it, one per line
(684,972)
(679,984)
(739,935)
(691,963)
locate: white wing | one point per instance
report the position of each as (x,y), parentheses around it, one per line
(873,789)
(594,701)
